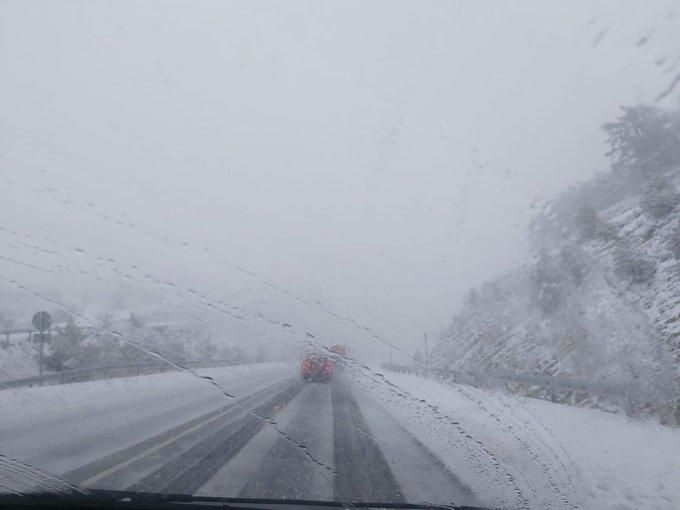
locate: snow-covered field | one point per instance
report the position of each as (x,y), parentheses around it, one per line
(18,359)
(516,451)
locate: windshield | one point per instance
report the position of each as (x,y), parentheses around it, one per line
(389,252)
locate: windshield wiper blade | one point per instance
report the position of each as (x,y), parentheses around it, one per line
(95,499)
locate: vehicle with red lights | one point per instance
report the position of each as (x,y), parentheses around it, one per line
(317,367)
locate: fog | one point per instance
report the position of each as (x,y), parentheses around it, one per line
(300,160)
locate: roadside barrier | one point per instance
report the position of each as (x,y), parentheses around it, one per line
(631,399)
(111,371)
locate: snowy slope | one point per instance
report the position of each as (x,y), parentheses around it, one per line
(522,452)
(598,303)
(660,299)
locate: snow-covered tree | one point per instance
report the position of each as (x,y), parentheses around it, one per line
(631,265)
(644,137)
(105,320)
(590,226)
(206,349)
(674,244)
(135,321)
(67,349)
(659,198)
(547,284)
(261,355)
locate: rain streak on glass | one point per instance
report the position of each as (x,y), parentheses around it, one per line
(340,254)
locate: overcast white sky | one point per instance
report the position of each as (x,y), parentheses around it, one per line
(379,157)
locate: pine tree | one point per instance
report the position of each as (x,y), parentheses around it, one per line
(66,349)
(644,137)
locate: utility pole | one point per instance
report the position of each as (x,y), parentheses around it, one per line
(42,321)
(427,358)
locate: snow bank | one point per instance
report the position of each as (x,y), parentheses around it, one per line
(19,404)
(520,452)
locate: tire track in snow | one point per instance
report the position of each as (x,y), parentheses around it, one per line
(478,455)
(528,447)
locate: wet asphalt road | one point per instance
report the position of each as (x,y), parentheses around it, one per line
(292,440)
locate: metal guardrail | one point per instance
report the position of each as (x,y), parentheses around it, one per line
(629,398)
(29,331)
(111,371)
(6,333)
(14,331)
(560,383)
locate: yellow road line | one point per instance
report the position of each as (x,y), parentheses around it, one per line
(153,449)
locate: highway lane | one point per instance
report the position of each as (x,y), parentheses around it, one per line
(60,428)
(281,439)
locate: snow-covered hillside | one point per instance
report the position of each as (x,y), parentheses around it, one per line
(598,303)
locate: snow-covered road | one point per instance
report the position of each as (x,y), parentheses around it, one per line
(259,431)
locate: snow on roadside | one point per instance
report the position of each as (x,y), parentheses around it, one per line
(519,452)
(18,359)
(20,404)
(59,428)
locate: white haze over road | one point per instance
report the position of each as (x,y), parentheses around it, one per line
(377,157)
